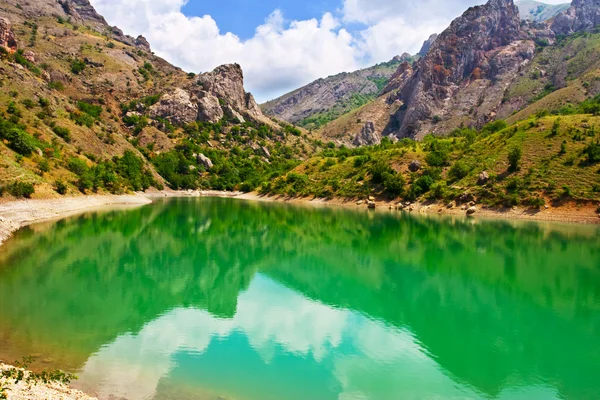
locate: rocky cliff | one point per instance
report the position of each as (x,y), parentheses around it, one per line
(465,72)
(7,37)
(427,45)
(583,15)
(327,99)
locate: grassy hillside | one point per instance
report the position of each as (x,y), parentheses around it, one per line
(70,120)
(555,158)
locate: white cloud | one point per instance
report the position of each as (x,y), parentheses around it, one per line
(283,55)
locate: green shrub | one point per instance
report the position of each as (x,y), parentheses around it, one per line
(592,151)
(43,102)
(20,141)
(92,110)
(394,183)
(21,189)
(60,187)
(494,127)
(514,158)
(458,171)
(64,133)
(56,85)
(77,66)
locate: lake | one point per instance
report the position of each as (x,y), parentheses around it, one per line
(227,299)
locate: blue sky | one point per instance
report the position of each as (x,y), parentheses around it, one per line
(282,44)
(241,17)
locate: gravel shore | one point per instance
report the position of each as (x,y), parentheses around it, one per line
(31,391)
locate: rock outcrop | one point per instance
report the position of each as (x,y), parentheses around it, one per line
(142,43)
(400,78)
(83,11)
(427,45)
(467,68)
(209,108)
(7,37)
(227,83)
(176,106)
(216,94)
(583,15)
(368,136)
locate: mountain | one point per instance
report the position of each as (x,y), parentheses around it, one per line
(487,65)
(536,11)
(84,107)
(583,15)
(324,100)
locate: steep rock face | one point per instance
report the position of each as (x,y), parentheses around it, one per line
(176,106)
(368,136)
(209,109)
(83,11)
(427,45)
(216,94)
(400,78)
(583,15)
(142,43)
(221,92)
(7,37)
(227,83)
(333,96)
(468,66)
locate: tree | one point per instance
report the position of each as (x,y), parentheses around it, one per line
(514,158)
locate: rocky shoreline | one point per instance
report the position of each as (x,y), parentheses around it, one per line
(17,214)
(36,390)
(570,213)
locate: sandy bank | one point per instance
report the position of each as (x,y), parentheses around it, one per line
(25,391)
(569,213)
(16,214)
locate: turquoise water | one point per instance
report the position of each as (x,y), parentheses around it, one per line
(213,298)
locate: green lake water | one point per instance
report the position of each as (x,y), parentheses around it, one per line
(226,299)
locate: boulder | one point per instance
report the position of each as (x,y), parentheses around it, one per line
(205,161)
(371,198)
(29,56)
(176,106)
(414,166)
(484,177)
(266,152)
(471,210)
(368,136)
(371,205)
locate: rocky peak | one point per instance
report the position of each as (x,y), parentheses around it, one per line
(484,43)
(142,43)
(214,95)
(7,37)
(227,83)
(583,15)
(84,11)
(427,45)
